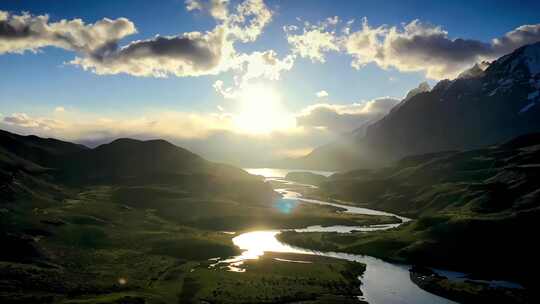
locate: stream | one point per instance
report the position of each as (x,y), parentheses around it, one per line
(382,282)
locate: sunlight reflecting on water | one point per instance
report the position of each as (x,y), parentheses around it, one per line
(281,173)
(255,244)
(382,283)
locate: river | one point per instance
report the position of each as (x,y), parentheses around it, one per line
(382,282)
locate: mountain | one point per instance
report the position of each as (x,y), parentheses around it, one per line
(479,108)
(141,222)
(472,211)
(42,151)
(31,160)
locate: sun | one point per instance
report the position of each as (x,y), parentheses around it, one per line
(261,111)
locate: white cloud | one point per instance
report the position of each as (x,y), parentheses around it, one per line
(339,118)
(254,66)
(263,64)
(249,20)
(516,38)
(217,8)
(322,94)
(59,110)
(415,46)
(314,41)
(26,121)
(213,135)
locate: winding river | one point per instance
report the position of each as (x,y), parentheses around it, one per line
(382,282)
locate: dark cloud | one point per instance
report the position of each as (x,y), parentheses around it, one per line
(25,32)
(525,34)
(425,47)
(191,54)
(186,54)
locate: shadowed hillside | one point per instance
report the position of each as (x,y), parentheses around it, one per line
(136,222)
(474,211)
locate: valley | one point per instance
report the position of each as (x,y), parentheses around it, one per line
(428,198)
(122,239)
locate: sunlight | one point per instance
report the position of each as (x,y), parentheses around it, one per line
(261,111)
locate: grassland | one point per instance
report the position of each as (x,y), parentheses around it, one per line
(278,278)
(218,214)
(472,211)
(132,244)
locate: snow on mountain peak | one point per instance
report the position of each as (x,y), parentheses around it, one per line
(531,58)
(477,70)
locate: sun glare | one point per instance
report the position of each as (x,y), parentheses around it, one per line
(261,111)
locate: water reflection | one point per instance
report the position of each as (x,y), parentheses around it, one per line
(254,244)
(382,283)
(281,173)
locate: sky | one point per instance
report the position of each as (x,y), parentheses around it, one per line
(236,81)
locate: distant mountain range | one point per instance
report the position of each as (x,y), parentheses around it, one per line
(31,163)
(487,104)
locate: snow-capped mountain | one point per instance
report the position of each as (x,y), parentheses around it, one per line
(487,104)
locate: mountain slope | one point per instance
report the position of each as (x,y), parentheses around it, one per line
(42,151)
(477,109)
(484,181)
(121,162)
(473,211)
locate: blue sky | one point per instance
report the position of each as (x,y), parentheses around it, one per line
(35,83)
(31,82)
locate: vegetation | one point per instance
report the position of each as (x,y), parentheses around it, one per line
(474,210)
(465,291)
(278,278)
(306,178)
(136,237)
(215,213)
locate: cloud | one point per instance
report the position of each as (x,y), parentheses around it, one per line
(217,8)
(248,22)
(216,136)
(428,48)
(255,65)
(213,135)
(186,54)
(25,121)
(191,54)
(516,38)
(59,110)
(415,46)
(315,39)
(322,94)
(75,125)
(344,118)
(20,33)
(264,64)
